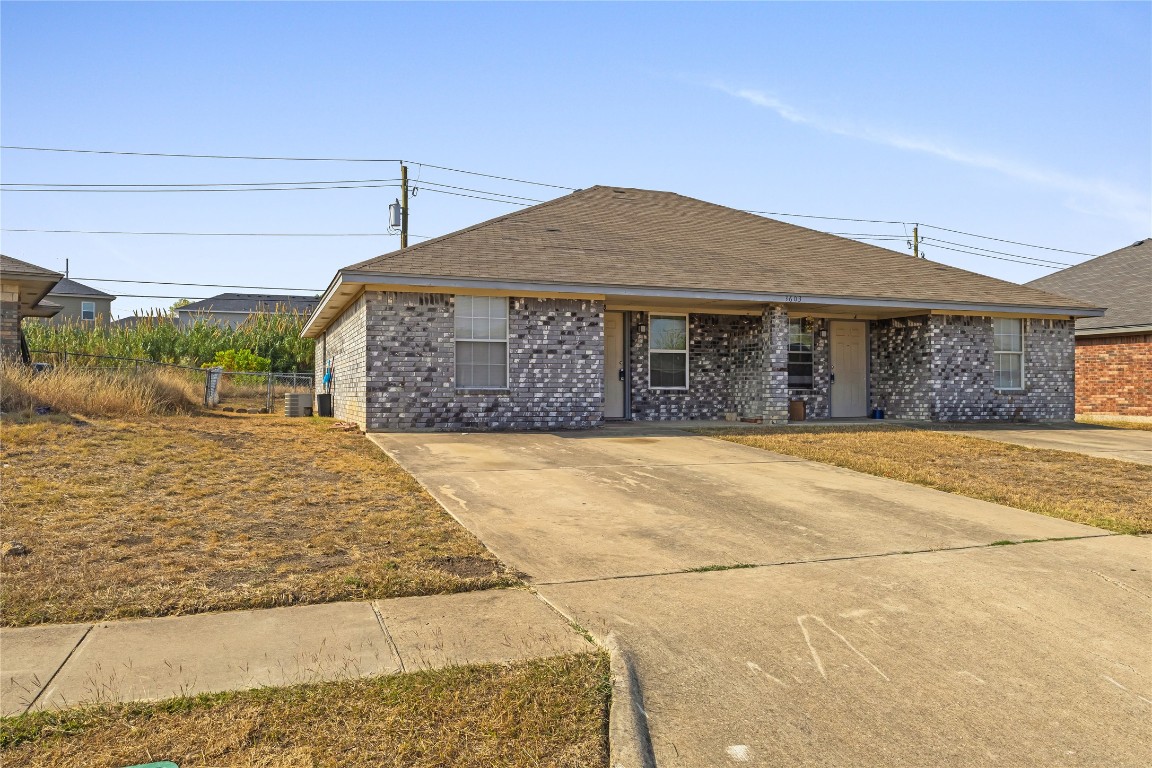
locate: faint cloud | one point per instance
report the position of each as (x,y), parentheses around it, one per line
(1093,196)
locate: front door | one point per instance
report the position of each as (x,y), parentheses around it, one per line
(614,369)
(849,368)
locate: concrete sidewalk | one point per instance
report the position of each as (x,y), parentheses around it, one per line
(55,666)
(1088,439)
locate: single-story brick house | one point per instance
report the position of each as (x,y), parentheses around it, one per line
(631,304)
(1113,352)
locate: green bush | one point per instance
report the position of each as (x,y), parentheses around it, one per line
(239,360)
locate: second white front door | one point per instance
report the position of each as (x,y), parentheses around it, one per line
(849,368)
(614,368)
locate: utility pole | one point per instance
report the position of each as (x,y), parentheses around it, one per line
(403,206)
(916,240)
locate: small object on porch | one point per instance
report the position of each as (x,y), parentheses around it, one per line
(877,413)
(796,410)
(750,420)
(729,416)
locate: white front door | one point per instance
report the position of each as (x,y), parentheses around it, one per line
(849,368)
(614,368)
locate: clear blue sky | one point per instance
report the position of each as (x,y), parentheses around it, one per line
(1025,121)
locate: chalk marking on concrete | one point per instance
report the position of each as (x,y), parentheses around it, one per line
(1121,585)
(739,752)
(816,656)
(969,674)
(447,491)
(756,668)
(1121,687)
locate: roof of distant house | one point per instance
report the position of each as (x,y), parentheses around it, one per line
(68,287)
(252,302)
(1120,280)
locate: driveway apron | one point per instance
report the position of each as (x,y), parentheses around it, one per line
(880,626)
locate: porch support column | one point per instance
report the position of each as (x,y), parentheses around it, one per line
(774,354)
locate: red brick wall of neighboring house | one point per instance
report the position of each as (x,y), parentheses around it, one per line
(1114,375)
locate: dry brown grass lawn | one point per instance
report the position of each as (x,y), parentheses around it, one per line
(541,713)
(99,392)
(1115,495)
(185,514)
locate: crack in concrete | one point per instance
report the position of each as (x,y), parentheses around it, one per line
(48,682)
(867,556)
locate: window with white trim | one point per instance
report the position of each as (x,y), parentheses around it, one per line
(481,342)
(668,351)
(1008,349)
(87,310)
(800,341)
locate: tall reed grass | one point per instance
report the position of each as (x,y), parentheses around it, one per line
(158,337)
(99,392)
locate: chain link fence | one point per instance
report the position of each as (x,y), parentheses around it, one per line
(239,391)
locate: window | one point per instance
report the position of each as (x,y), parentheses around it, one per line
(481,342)
(87,310)
(800,353)
(1008,349)
(668,352)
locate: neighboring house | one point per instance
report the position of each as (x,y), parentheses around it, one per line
(23,287)
(1113,352)
(630,304)
(234,308)
(81,302)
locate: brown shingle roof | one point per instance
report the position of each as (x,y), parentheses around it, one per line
(9,264)
(1120,280)
(634,238)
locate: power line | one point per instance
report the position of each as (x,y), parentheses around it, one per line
(204,157)
(214,184)
(999,258)
(253,189)
(829,218)
(209,234)
(295,159)
(1002,253)
(1010,242)
(194,285)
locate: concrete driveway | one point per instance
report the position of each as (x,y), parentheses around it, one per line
(878,628)
(1088,439)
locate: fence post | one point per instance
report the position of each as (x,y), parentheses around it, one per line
(270,374)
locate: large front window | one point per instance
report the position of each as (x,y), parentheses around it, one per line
(800,353)
(668,352)
(481,342)
(1008,349)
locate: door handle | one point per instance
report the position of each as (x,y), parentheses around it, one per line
(832,378)
(621,374)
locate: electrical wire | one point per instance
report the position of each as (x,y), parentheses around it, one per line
(193,285)
(211,234)
(998,258)
(1002,253)
(297,159)
(1010,242)
(215,184)
(829,218)
(4,188)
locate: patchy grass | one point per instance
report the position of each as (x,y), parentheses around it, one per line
(187,514)
(99,392)
(1109,494)
(551,712)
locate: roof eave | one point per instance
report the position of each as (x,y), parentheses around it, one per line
(347,285)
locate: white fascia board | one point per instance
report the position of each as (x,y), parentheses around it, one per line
(444,284)
(1115,330)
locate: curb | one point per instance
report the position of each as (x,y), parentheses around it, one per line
(628,737)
